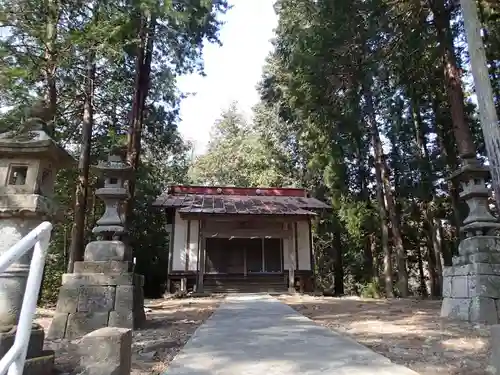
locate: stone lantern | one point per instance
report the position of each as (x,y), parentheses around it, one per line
(471,286)
(29,160)
(103,291)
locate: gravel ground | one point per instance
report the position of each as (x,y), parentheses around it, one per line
(407,331)
(170,324)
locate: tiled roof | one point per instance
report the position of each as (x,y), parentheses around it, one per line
(240,204)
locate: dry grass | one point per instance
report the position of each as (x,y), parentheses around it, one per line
(170,324)
(409,332)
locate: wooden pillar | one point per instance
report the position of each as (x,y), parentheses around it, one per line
(201,270)
(296,251)
(187,250)
(170,251)
(291,267)
(263,262)
(200,261)
(296,244)
(245,261)
(311,254)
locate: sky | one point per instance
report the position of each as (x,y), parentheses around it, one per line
(232,71)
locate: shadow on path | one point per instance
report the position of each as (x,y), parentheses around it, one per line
(258,335)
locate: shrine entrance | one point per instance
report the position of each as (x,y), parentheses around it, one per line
(226,239)
(243,255)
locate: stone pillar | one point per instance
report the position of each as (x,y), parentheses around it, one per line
(471,287)
(103,291)
(28,164)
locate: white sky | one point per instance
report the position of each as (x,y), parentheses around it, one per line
(232,71)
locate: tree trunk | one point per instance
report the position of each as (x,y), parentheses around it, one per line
(369,272)
(447,150)
(438,255)
(447,254)
(368,266)
(421,274)
(452,79)
(431,257)
(142,81)
(427,194)
(389,198)
(384,230)
(51,63)
(376,265)
(94,208)
(338,261)
(494,73)
(82,186)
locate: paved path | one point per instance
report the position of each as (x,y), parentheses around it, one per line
(258,335)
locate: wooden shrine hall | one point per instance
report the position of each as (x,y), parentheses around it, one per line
(226,239)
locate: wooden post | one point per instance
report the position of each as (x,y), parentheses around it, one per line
(245,261)
(187,247)
(296,244)
(201,269)
(184,284)
(312,262)
(291,279)
(263,263)
(170,252)
(291,267)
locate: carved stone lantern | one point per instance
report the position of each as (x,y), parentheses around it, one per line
(103,291)
(28,166)
(29,162)
(115,172)
(471,286)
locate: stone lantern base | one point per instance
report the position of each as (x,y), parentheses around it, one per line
(471,287)
(102,292)
(13,282)
(38,361)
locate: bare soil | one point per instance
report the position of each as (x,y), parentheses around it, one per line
(170,324)
(407,331)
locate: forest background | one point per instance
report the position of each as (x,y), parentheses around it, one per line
(365,103)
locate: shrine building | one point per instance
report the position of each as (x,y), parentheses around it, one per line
(225,239)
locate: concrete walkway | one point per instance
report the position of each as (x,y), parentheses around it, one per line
(258,335)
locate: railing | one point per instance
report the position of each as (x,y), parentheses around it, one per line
(38,238)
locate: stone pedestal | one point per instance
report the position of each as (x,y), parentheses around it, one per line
(103,291)
(12,287)
(471,288)
(38,361)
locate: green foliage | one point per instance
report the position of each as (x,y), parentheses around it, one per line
(371,290)
(236,156)
(59,245)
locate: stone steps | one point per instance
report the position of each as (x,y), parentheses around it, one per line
(263,283)
(231,290)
